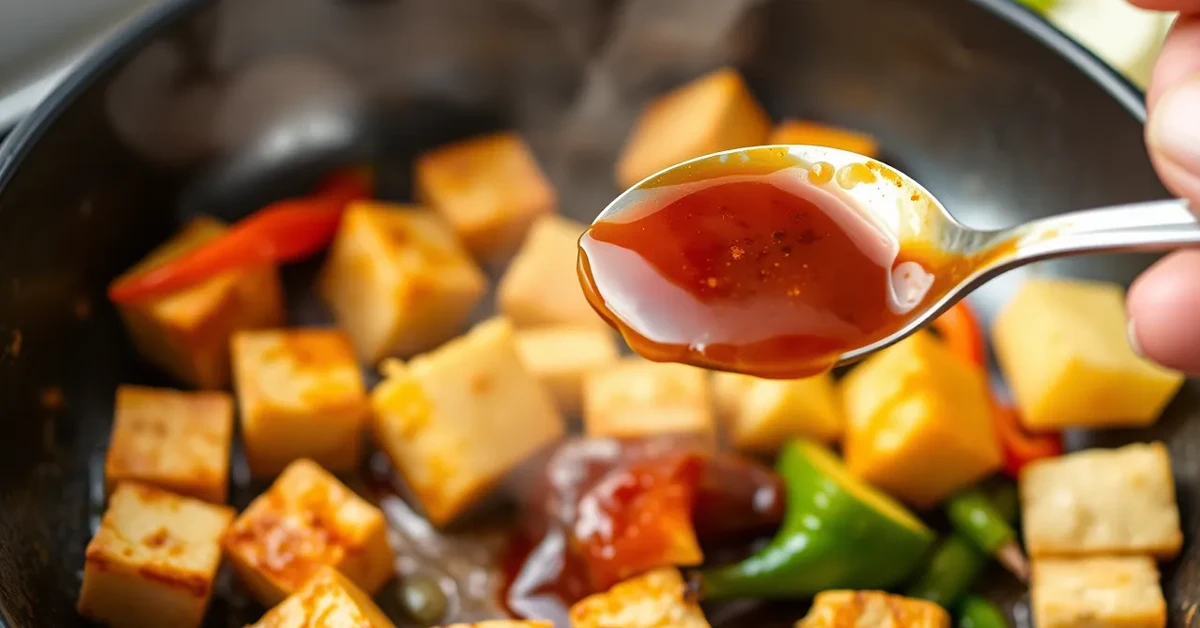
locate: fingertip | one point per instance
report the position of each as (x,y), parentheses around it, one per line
(1162,305)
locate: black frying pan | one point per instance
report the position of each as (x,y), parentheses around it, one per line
(217,106)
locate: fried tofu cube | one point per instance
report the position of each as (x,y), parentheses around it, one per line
(561,356)
(307,520)
(397,280)
(760,415)
(455,421)
(489,188)
(153,559)
(814,134)
(919,422)
(327,600)
(1102,501)
(300,395)
(657,599)
(713,113)
(1098,592)
(541,285)
(186,333)
(175,440)
(1062,346)
(636,397)
(835,609)
(505,623)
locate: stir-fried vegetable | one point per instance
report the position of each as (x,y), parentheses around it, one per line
(1021,448)
(960,330)
(973,515)
(950,572)
(285,231)
(976,612)
(423,598)
(837,532)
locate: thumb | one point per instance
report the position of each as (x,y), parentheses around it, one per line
(1173,136)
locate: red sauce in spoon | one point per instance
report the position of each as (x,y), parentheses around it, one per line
(754,267)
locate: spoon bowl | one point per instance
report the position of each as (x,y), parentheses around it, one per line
(910,219)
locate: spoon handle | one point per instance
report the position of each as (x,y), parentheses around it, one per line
(1148,226)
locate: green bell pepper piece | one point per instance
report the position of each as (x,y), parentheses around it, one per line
(973,515)
(976,612)
(837,533)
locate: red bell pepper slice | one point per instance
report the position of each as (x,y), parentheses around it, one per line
(1020,447)
(281,232)
(960,330)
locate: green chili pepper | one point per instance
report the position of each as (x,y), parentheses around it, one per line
(950,572)
(976,612)
(1003,495)
(837,533)
(976,518)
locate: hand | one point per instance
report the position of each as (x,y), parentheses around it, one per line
(1164,303)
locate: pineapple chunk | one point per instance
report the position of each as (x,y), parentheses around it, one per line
(1102,501)
(760,415)
(397,280)
(1100,592)
(838,609)
(562,356)
(636,397)
(307,520)
(455,421)
(178,441)
(658,599)
(919,422)
(541,285)
(300,395)
(1062,346)
(327,600)
(186,333)
(713,113)
(813,134)
(489,188)
(153,560)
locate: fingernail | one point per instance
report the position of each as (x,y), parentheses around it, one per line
(1132,337)
(1175,125)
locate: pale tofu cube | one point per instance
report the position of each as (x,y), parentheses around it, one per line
(490,189)
(1063,349)
(636,397)
(307,520)
(178,441)
(877,609)
(1099,592)
(713,113)
(814,134)
(186,333)
(561,356)
(397,280)
(919,422)
(541,285)
(505,623)
(1102,501)
(760,415)
(300,395)
(657,599)
(153,559)
(327,600)
(455,421)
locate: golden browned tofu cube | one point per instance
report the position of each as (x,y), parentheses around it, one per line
(561,356)
(1100,592)
(760,415)
(300,395)
(919,422)
(658,599)
(636,397)
(713,113)
(814,134)
(186,333)
(397,280)
(178,441)
(307,520)
(877,609)
(455,421)
(327,600)
(1062,346)
(153,560)
(1102,501)
(490,188)
(541,285)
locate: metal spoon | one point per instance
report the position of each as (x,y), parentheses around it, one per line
(900,206)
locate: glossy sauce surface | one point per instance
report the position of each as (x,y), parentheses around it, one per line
(763,269)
